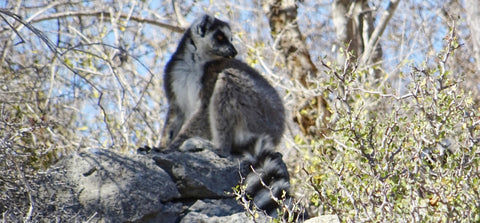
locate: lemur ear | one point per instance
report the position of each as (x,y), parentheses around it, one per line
(203,24)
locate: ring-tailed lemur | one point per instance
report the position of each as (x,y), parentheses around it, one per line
(183,73)
(222,99)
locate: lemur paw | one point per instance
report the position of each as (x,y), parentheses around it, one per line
(195,144)
(147,149)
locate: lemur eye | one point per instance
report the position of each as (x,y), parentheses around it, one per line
(220,37)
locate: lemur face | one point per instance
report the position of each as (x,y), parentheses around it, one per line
(213,37)
(221,40)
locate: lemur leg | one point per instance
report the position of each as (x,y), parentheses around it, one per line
(173,124)
(222,132)
(224,114)
(196,126)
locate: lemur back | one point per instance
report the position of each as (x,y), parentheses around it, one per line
(243,106)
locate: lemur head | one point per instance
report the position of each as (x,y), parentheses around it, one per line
(212,38)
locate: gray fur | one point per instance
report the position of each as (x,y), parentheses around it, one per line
(243,107)
(183,73)
(237,107)
(226,101)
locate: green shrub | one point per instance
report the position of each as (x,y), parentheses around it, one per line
(398,155)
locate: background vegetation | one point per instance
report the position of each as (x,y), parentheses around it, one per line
(383,95)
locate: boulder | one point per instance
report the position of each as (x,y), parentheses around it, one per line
(175,186)
(200,174)
(324,219)
(189,185)
(118,187)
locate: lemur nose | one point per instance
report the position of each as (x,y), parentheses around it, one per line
(233,53)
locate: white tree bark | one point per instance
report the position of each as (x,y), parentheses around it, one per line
(354,26)
(472,9)
(374,37)
(289,40)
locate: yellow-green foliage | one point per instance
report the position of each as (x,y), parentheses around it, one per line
(403,155)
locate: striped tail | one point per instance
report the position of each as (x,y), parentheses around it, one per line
(269,181)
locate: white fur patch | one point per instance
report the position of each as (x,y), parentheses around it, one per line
(241,134)
(186,85)
(213,124)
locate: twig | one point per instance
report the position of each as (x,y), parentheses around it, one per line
(57,53)
(180,18)
(242,197)
(108,14)
(21,174)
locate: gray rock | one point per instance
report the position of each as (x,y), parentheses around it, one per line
(118,187)
(169,213)
(189,185)
(216,207)
(324,219)
(200,174)
(240,217)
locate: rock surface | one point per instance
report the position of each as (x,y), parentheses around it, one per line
(191,185)
(117,186)
(188,186)
(201,174)
(324,219)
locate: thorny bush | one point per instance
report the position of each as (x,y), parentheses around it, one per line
(405,154)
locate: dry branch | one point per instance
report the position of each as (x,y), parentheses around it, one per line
(108,14)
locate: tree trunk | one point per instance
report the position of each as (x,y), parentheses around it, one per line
(472,9)
(282,16)
(354,26)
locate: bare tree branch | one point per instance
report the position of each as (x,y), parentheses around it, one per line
(382,24)
(108,14)
(180,18)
